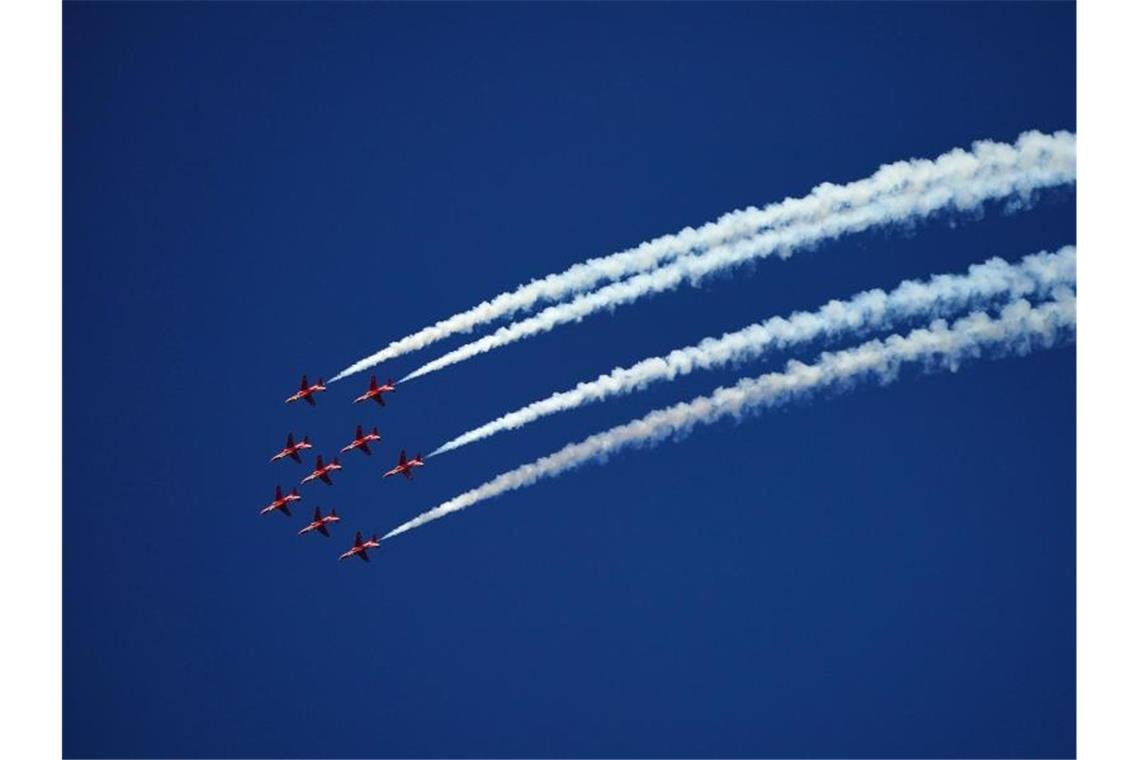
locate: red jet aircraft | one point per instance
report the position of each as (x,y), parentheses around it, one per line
(360,547)
(319,522)
(307,391)
(375,392)
(292,448)
(322,471)
(362,440)
(405,465)
(281,501)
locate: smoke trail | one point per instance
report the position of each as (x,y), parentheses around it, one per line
(914,177)
(1044,168)
(1019,328)
(942,295)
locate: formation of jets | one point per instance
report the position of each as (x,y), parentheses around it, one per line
(322,469)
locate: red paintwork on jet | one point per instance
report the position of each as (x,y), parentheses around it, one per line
(322,470)
(362,440)
(281,501)
(292,448)
(307,391)
(319,523)
(375,392)
(405,465)
(360,547)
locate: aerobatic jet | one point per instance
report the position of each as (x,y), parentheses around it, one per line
(307,391)
(320,523)
(281,501)
(292,448)
(360,547)
(362,440)
(375,392)
(405,465)
(322,470)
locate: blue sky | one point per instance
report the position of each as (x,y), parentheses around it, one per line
(254,191)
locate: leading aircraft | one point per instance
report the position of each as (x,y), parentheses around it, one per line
(319,523)
(405,465)
(375,392)
(281,501)
(291,449)
(322,470)
(360,547)
(307,391)
(362,439)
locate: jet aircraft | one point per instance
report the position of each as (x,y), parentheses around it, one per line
(322,470)
(405,465)
(281,501)
(292,448)
(362,440)
(320,523)
(307,391)
(376,392)
(360,547)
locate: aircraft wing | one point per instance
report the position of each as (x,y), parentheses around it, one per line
(324,530)
(379,399)
(295,456)
(285,508)
(365,449)
(309,398)
(363,554)
(325,477)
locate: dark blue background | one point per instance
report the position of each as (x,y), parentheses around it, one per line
(255,191)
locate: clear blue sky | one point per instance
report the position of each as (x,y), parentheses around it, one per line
(255,191)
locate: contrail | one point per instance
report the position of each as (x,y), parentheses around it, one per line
(913,177)
(940,296)
(1019,328)
(1051,163)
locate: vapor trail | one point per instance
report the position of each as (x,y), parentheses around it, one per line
(914,177)
(1019,328)
(1039,161)
(940,296)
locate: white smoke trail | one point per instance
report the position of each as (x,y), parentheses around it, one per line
(1019,328)
(914,177)
(942,295)
(1054,163)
